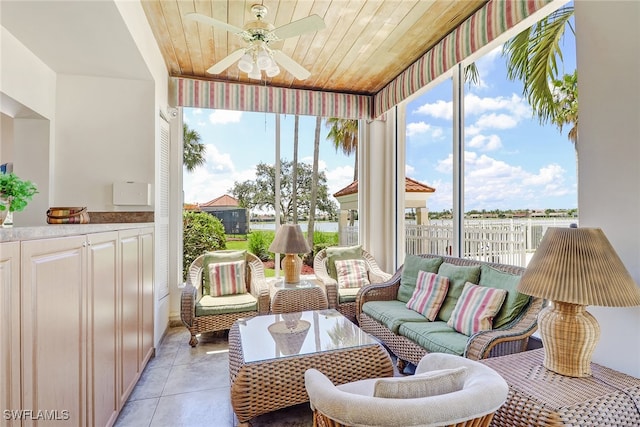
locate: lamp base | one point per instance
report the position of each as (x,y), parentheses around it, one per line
(569,337)
(292,264)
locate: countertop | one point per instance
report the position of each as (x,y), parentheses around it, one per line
(61,230)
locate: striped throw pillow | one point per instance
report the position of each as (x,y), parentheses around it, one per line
(351,273)
(476,308)
(430,291)
(227,278)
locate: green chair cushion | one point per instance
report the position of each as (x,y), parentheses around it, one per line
(216,257)
(435,337)
(347,294)
(458,275)
(513,303)
(412,265)
(239,303)
(335,253)
(392,313)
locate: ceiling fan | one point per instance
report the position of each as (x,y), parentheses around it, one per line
(258,55)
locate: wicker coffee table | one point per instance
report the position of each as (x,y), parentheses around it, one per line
(269,354)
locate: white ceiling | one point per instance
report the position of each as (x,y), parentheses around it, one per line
(76,37)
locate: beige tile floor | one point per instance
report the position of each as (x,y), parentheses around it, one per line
(185,386)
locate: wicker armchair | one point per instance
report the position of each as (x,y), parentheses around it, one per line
(354,404)
(348,306)
(257,289)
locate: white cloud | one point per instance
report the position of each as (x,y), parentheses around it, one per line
(417,127)
(485,65)
(409,170)
(492,183)
(338,178)
(196,111)
(225,116)
(485,143)
(215,178)
(439,110)
(515,105)
(496,121)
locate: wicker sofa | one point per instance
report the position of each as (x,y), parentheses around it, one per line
(381,311)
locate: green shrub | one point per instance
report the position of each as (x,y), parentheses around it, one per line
(202,232)
(259,242)
(321,240)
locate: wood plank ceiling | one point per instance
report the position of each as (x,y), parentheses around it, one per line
(366,43)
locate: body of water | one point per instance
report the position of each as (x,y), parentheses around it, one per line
(327,226)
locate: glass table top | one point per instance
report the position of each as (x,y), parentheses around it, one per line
(274,336)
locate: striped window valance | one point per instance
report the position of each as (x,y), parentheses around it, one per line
(490,21)
(484,26)
(241,97)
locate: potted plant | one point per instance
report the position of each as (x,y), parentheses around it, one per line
(15,193)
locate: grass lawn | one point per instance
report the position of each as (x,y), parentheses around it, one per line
(240,245)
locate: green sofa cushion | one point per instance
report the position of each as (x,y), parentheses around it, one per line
(238,303)
(335,253)
(392,313)
(435,337)
(458,275)
(513,303)
(216,257)
(347,294)
(412,265)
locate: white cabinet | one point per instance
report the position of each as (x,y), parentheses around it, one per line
(77,325)
(10,398)
(103,328)
(54,329)
(136,306)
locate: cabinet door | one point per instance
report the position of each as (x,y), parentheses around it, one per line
(129,317)
(102,325)
(146,296)
(54,331)
(10,331)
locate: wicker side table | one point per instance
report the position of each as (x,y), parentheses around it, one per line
(291,298)
(539,397)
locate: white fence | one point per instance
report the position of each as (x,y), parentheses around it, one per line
(503,241)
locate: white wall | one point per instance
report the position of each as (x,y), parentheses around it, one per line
(31,161)
(608,42)
(167,295)
(105,132)
(25,78)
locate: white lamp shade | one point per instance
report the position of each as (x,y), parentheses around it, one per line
(273,71)
(255,73)
(246,63)
(263,60)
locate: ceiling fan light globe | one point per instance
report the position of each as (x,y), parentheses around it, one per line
(246,63)
(273,71)
(255,73)
(263,60)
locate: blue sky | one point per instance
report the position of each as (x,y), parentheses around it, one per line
(511,162)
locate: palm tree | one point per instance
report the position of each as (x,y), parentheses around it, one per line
(343,133)
(193,149)
(532,57)
(294,173)
(314,185)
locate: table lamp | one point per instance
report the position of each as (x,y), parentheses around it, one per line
(289,240)
(572,268)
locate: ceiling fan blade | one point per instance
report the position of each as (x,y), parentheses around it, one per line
(204,19)
(295,28)
(226,62)
(297,70)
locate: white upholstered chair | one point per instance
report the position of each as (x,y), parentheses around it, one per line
(482,392)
